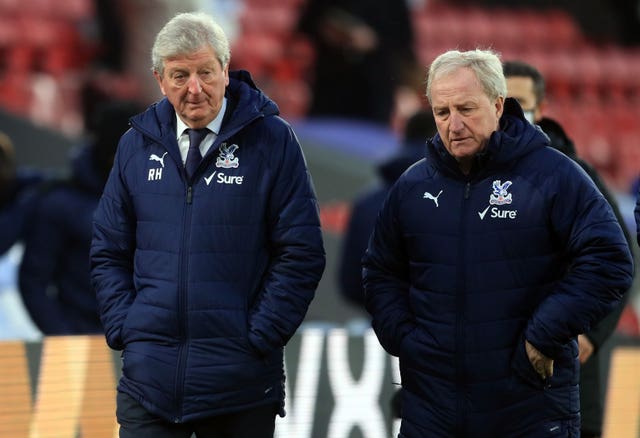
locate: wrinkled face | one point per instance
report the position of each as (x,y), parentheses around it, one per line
(464,115)
(521,88)
(195,85)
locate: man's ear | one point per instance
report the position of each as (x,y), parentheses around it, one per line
(159,80)
(499,103)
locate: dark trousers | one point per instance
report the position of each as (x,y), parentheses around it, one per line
(136,422)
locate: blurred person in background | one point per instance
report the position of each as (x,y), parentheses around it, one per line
(492,254)
(18,195)
(364,52)
(54,271)
(207,248)
(419,127)
(526,84)
(19,190)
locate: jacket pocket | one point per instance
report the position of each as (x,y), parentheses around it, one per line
(522,367)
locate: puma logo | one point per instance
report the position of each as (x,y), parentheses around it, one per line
(160,160)
(428,195)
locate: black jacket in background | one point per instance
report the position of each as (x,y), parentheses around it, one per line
(591,397)
(363,218)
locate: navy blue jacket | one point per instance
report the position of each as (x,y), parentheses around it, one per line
(363,218)
(462,269)
(203,282)
(17,204)
(54,271)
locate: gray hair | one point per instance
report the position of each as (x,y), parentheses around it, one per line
(485,64)
(187,33)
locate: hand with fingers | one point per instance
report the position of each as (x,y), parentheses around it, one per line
(541,363)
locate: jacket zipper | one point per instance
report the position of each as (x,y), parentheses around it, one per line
(183,334)
(460,317)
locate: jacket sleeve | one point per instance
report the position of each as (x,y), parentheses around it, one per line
(297,251)
(354,244)
(599,333)
(600,267)
(111,254)
(386,279)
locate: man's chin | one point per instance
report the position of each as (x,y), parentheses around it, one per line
(461,149)
(196,119)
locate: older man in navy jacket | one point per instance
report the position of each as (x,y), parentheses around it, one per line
(206,253)
(488,258)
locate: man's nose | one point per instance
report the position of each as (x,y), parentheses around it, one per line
(455,122)
(194,84)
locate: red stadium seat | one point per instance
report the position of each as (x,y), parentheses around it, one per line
(292,96)
(279,20)
(256,52)
(627,147)
(9,32)
(562,29)
(588,78)
(15,92)
(560,75)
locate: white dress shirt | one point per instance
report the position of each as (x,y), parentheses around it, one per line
(214,127)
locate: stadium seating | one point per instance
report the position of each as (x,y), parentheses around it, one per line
(592,89)
(44,49)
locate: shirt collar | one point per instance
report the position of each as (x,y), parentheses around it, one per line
(213,126)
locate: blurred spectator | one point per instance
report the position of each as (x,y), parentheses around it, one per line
(113,38)
(418,129)
(628,17)
(364,51)
(420,126)
(18,195)
(54,272)
(526,84)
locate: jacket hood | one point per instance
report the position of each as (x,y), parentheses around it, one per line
(558,138)
(515,138)
(391,169)
(246,101)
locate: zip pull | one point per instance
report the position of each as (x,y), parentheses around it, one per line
(467,190)
(189,194)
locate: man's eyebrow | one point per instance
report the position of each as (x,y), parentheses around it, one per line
(456,104)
